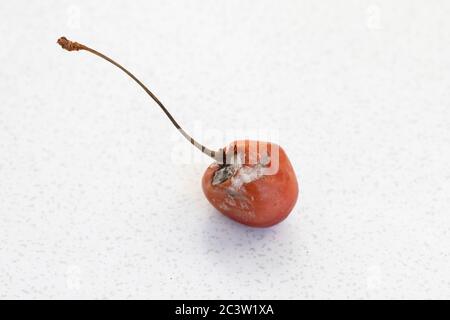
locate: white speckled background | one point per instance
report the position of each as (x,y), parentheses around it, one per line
(93,204)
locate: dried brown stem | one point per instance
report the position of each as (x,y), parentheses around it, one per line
(70,45)
(219,156)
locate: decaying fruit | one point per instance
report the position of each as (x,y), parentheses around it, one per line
(258,187)
(251,182)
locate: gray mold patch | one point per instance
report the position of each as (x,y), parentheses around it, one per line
(239,173)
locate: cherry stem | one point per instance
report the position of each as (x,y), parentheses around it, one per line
(219,156)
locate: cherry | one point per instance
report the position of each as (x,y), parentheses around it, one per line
(257,188)
(251,182)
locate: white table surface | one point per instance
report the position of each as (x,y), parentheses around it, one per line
(95,201)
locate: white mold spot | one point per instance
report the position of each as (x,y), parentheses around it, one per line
(239,175)
(246,174)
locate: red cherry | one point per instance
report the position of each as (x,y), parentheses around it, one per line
(258,193)
(251,182)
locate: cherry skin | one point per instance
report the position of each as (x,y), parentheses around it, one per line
(259,189)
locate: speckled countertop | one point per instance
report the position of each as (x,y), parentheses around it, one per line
(100,197)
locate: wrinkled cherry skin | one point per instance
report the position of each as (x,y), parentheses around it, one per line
(259,203)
